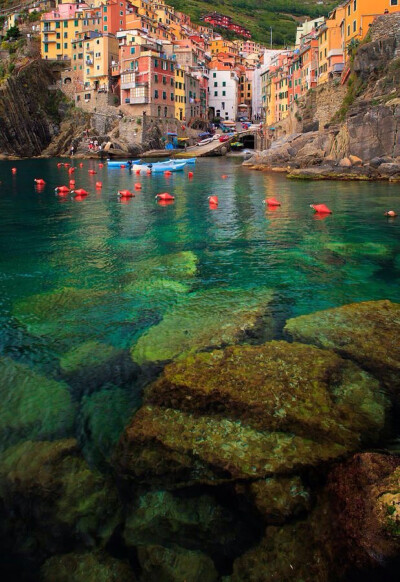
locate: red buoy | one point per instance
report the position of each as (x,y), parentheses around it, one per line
(62,189)
(13,170)
(81,165)
(190,174)
(165,196)
(72,182)
(391,213)
(101,165)
(272,202)
(99,184)
(39,181)
(67,165)
(213,200)
(167,173)
(92,172)
(126,193)
(59,165)
(138,186)
(224,176)
(148,172)
(122,166)
(164,202)
(80,192)
(321,208)
(137,172)
(71,170)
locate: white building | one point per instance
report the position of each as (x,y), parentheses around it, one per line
(306,27)
(223,93)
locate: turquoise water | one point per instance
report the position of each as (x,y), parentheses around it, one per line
(83,282)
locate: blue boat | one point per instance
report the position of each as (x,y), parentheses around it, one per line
(119,163)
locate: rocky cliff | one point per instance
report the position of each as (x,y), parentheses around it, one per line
(361,139)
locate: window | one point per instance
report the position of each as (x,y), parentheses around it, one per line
(172,82)
(223,94)
(105,28)
(164,80)
(155,63)
(214,75)
(348,10)
(87,71)
(354,5)
(354,25)
(132,50)
(58,35)
(156,78)
(76,23)
(172,66)
(224,83)
(65,34)
(58,46)
(223,104)
(65,23)
(215,83)
(164,95)
(46,48)
(164,65)
(156,94)
(104,8)
(172,96)
(215,93)
(348,30)
(105,19)
(165,111)
(159,111)
(57,25)
(393,2)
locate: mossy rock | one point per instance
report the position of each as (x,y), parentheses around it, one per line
(51,487)
(88,354)
(177,266)
(33,406)
(203,320)
(87,567)
(102,419)
(195,522)
(166,446)
(281,387)
(357,250)
(166,564)
(367,333)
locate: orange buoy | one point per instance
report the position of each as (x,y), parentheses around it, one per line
(92,172)
(81,165)
(39,181)
(391,213)
(72,182)
(101,165)
(213,200)
(99,184)
(62,189)
(190,174)
(167,173)
(272,202)
(321,208)
(13,170)
(79,192)
(165,196)
(224,176)
(138,186)
(125,193)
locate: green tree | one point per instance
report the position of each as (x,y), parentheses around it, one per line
(13,33)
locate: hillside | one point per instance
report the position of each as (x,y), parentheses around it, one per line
(259,15)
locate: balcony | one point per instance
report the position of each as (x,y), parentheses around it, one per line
(89,62)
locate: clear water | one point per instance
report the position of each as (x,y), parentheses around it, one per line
(107,270)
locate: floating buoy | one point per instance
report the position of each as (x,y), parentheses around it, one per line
(67,165)
(213,200)
(92,172)
(137,172)
(80,197)
(321,208)
(165,196)
(167,173)
(125,193)
(72,182)
(99,184)
(148,172)
(138,186)
(59,165)
(190,174)
(122,166)
(101,165)
(81,165)
(62,189)
(39,181)
(164,202)
(391,213)
(272,202)
(224,176)
(71,170)
(13,170)
(79,192)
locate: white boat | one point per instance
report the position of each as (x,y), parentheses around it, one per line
(172,166)
(205,141)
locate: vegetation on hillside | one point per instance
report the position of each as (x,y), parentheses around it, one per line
(259,16)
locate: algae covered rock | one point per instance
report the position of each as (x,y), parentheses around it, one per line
(165,564)
(203,320)
(367,333)
(87,567)
(49,486)
(365,497)
(33,406)
(357,250)
(276,387)
(176,266)
(249,412)
(88,354)
(193,522)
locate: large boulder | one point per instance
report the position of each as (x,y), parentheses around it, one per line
(192,324)
(33,406)
(366,333)
(48,489)
(248,412)
(87,567)
(166,564)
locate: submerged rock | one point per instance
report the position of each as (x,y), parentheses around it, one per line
(367,333)
(33,406)
(87,567)
(161,564)
(365,497)
(365,249)
(48,488)
(203,320)
(192,522)
(88,354)
(172,267)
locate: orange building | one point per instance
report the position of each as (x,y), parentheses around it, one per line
(360,14)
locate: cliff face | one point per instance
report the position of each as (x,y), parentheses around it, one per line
(336,124)
(29,112)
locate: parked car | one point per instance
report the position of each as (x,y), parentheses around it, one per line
(224,138)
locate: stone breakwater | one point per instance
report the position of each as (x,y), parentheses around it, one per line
(244,462)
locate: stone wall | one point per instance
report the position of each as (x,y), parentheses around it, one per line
(386,25)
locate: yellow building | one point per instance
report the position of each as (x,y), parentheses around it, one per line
(99,52)
(270,96)
(360,14)
(330,45)
(180,93)
(59,27)
(222,45)
(323,47)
